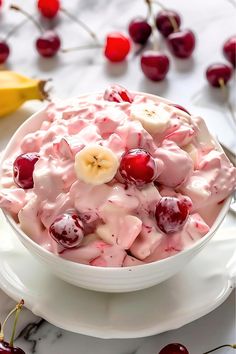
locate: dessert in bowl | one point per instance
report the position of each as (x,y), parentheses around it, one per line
(115,191)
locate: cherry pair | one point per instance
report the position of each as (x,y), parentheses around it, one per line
(219,74)
(176,348)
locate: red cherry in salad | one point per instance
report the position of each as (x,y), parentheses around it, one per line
(117,93)
(67,230)
(23,168)
(165,20)
(172,213)
(48,44)
(139,30)
(137,166)
(174,348)
(218,74)
(49,8)
(4,51)
(5,348)
(117,47)
(229,50)
(182,43)
(155,65)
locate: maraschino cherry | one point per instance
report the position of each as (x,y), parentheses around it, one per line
(167,22)
(23,168)
(182,43)
(48,43)
(229,50)
(117,93)
(155,65)
(140,30)
(49,8)
(67,230)
(218,75)
(5,347)
(117,47)
(138,167)
(172,213)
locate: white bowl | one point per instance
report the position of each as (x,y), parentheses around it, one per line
(98,278)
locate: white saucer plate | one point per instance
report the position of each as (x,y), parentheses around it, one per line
(201,287)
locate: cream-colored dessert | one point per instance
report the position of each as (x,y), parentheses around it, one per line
(116,180)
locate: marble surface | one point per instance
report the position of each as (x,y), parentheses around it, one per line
(79,72)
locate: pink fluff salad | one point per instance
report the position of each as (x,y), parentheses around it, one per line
(120,227)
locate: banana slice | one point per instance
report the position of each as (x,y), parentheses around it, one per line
(96,164)
(155,119)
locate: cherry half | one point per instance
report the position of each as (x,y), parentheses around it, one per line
(166,21)
(67,230)
(49,8)
(139,30)
(155,65)
(174,348)
(172,213)
(23,168)
(182,43)
(48,44)
(117,47)
(218,74)
(117,93)
(4,51)
(229,50)
(138,167)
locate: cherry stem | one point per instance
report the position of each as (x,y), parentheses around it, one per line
(172,20)
(18,310)
(15,29)
(7,318)
(154,30)
(233,346)
(30,17)
(92,46)
(81,24)
(227,100)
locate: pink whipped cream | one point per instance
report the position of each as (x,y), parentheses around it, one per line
(119,224)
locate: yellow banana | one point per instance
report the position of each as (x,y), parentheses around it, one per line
(16,89)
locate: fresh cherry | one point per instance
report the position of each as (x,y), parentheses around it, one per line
(182,43)
(218,74)
(0,3)
(229,50)
(180,107)
(117,47)
(139,30)
(4,51)
(165,20)
(174,348)
(48,44)
(67,230)
(23,168)
(155,65)
(5,348)
(49,8)
(117,93)
(137,166)
(172,214)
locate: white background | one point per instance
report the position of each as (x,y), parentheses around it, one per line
(213,21)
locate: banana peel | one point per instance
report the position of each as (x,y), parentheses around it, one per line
(16,89)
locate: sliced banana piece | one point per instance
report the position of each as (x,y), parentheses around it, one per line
(96,164)
(155,119)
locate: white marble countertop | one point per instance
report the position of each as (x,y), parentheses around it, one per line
(78,72)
